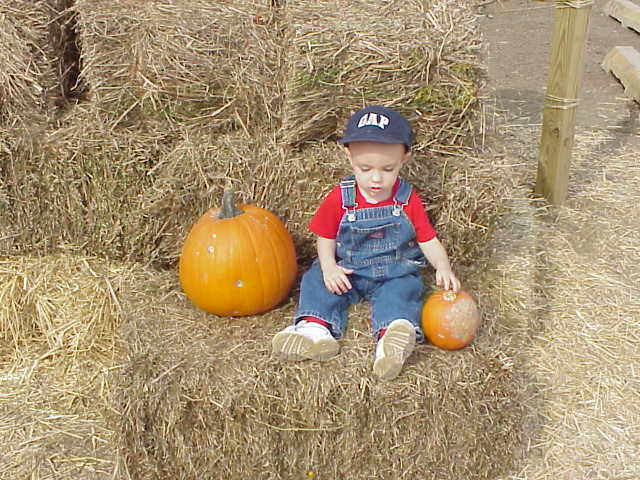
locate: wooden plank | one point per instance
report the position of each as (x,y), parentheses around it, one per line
(565,80)
(626,12)
(624,63)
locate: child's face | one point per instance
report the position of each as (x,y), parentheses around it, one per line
(376,166)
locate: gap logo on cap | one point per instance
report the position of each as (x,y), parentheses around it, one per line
(376,123)
(375,119)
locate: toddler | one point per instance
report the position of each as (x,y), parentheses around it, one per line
(373,239)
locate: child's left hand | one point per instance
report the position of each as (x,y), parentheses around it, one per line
(445,278)
(437,256)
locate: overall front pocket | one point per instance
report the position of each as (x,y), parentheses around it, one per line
(379,238)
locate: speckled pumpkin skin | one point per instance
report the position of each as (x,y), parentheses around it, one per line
(450,320)
(238,266)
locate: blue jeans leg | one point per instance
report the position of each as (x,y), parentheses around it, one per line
(317,301)
(401,297)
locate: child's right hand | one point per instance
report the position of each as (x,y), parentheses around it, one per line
(336,280)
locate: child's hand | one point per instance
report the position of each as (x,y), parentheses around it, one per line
(437,256)
(445,278)
(336,280)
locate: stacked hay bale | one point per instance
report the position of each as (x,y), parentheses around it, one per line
(418,57)
(165,80)
(207,396)
(135,195)
(179,63)
(23,62)
(58,321)
(199,75)
(345,55)
(76,189)
(192,177)
(180,100)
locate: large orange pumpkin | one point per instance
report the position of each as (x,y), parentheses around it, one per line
(450,320)
(237,261)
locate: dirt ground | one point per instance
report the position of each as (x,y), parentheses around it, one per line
(569,276)
(517,38)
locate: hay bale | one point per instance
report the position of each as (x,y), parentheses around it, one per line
(133,193)
(417,56)
(58,318)
(203,394)
(24,62)
(466,200)
(77,189)
(191,178)
(179,62)
(61,304)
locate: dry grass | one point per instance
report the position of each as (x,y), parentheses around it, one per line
(565,282)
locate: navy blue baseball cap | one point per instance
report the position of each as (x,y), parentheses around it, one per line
(377,124)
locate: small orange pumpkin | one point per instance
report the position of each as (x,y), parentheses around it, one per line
(237,261)
(450,320)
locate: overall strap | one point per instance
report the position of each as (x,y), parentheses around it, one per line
(401,197)
(404,192)
(348,190)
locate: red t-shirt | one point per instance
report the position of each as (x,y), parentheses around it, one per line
(326,220)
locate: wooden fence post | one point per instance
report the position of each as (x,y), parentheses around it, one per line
(561,99)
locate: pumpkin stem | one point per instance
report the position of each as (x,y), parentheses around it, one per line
(449,295)
(229,209)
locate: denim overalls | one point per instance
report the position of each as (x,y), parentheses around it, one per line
(379,244)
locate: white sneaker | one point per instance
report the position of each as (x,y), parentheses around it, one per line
(394,348)
(305,341)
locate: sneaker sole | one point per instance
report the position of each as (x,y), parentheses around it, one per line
(293,346)
(399,341)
